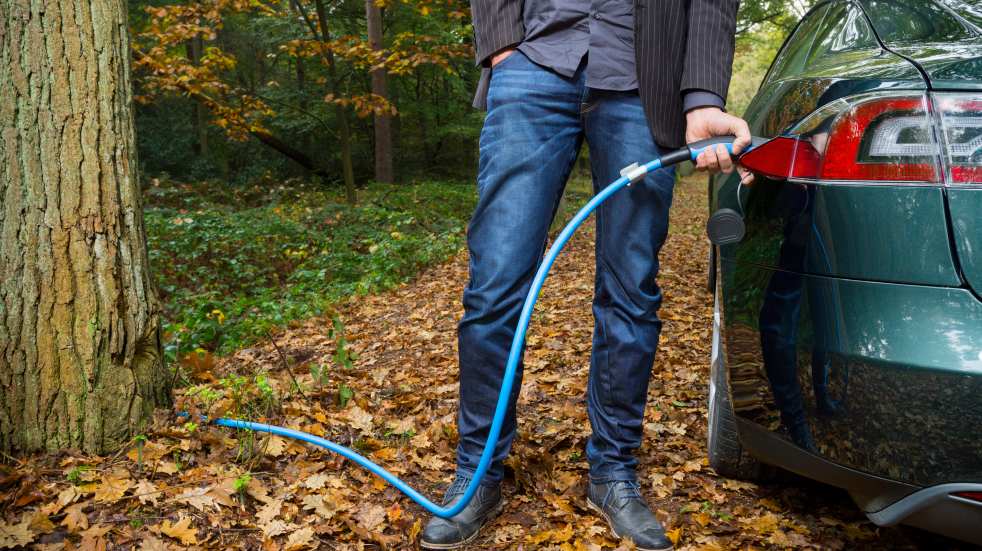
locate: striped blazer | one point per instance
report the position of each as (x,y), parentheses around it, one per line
(680,45)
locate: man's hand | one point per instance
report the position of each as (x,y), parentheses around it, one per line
(500,56)
(707,122)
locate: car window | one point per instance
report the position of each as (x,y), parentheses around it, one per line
(844,29)
(913,21)
(971,10)
(791,59)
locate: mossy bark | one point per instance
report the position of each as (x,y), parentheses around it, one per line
(80,345)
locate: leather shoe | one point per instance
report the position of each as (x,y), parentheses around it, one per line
(620,503)
(457,531)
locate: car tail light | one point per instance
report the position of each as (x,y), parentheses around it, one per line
(974,496)
(862,138)
(961,119)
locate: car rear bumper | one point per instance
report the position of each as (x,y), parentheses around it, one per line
(938,509)
(886,502)
(886,377)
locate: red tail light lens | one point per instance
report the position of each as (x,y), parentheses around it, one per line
(974,496)
(863,138)
(961,119)
(772,159)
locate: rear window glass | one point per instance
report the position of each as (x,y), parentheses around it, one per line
(913,21)
(791,59)
(968,9)
(844,29)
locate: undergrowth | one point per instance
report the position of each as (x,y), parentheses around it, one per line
(233,264)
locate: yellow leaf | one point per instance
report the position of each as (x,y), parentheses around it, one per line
(182,531)
(112,487)
(674,535)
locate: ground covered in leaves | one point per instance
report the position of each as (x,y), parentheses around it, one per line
(381,377)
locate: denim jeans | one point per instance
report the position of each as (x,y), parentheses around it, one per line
(535,125)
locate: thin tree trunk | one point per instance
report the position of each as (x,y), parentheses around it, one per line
(80,345)
(195,49)
(344,130)
(383,123)
(302,88)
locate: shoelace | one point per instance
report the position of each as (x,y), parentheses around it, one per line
(456,488)
(629,490)
(625,489)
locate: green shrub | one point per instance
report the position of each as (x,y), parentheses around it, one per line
(233,264)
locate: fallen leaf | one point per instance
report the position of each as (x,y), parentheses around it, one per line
(359,420)
(112,487)
(316,482)
(275,446)
(370,517)
(197,498)
(182,531)
(276,528)
(16,535)
(94,538)
(299,539)
(75,520)
(270,511)
(146,492)
(317,504)
(153,543)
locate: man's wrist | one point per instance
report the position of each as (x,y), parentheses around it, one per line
(695,99)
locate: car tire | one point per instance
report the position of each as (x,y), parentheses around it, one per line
(726,454)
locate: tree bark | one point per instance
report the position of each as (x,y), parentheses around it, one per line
(383,123)
(80,345)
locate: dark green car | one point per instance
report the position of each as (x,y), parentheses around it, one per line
(848,320)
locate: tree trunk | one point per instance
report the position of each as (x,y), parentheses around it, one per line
(80,344)
(344,130)
(383,123)
(199,121)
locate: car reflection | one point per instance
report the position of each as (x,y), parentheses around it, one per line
(780,315)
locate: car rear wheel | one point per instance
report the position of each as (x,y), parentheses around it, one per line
(726,455)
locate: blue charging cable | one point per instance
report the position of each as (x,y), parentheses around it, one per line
(629,175)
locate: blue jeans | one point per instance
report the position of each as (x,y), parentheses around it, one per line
(536,122)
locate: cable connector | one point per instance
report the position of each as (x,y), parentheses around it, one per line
(634,172)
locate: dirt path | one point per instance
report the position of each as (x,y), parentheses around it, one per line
(212,488)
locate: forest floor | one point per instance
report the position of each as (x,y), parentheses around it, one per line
(186,485)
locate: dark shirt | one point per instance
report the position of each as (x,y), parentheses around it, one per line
(559,33)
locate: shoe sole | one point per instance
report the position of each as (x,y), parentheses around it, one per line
(610,525)
(458,545)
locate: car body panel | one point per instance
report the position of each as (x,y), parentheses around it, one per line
(851,337)
(966,224)
(878,233)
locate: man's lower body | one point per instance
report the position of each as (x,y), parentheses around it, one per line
(536,123)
